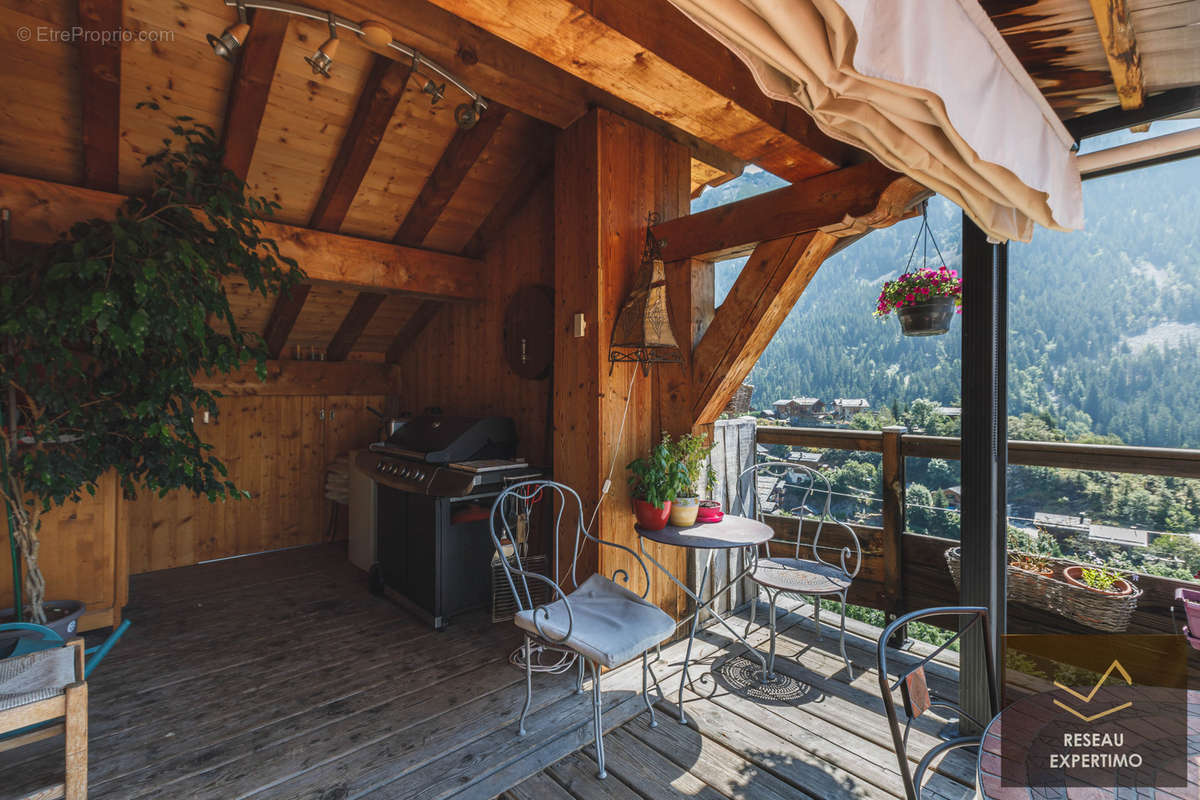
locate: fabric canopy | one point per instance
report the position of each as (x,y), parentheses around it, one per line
(929,88)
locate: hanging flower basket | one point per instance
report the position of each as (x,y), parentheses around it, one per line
(926,299)
(1103,611)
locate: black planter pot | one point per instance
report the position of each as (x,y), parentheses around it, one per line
(927,319)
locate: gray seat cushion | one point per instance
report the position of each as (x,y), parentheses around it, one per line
(611,623)
(36,676)
(800,575)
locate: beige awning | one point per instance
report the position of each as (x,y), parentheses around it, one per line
(929,88)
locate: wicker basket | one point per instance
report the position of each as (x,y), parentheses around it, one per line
(1109,613)
(740,404)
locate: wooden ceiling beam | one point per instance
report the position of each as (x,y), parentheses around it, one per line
(734,229)
(1121,50)
(43,210)
(1161,105)
(459,156)
(100,64)
(411,329)
(380,95)
(283,318)
(252,77)
(356,321)
(683,75)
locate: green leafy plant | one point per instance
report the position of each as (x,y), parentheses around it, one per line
(1031,562)
(106,330)
(658,477)
(1100,578)
(691,450)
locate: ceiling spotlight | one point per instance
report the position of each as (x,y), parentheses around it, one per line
(467,114)
(437,92)
(375,33)
(322,60)
(232,37)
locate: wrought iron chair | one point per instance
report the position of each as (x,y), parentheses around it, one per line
(814,577)
(604,623)
(917,699)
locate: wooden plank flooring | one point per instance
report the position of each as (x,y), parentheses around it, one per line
(279,676)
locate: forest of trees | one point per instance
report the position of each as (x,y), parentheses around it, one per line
(1104,323)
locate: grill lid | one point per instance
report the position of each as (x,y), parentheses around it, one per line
(441,439)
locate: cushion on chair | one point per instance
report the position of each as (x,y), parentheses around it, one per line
(36,676)
(800,575)
(611,623)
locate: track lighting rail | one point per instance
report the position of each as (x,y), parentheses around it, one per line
(420,62)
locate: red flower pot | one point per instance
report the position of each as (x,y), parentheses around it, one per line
(650,517)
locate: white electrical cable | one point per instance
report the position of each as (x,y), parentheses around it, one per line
(612,463)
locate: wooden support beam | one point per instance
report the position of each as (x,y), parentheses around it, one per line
(43,210)
(100,65)
(759,302)
(535,170)
(376,105)
(699,87)
(460,155)
(356,321)
(1121,50)
(1162,105)
(892,601)
(412,328)
(283,317)
(252,76)
(307,378)
(731,230)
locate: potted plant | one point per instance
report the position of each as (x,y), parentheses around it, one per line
(655,479)
(925,300)
(1099,578)
(1031,562)
(691,451)
(104,332)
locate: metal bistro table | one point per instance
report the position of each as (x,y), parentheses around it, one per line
(729,534)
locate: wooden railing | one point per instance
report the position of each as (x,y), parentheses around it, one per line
(905,571)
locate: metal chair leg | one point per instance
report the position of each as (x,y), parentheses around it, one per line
(849,672)
(579,675)
(817,614)
(771,655)
(753,609)
(596,721)
(645,691)
(528,685)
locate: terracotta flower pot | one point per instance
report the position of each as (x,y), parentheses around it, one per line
(930,318)
(1074,576)
(684,510)
(651,517)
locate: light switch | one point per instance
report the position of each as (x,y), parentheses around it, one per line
(580,325)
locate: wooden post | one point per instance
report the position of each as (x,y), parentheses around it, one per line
(893,524)
(984,459)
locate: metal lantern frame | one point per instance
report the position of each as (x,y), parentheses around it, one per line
(642,332)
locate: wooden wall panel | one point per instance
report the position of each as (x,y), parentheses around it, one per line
(457,362)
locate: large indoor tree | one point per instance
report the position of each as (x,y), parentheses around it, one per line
(104,332)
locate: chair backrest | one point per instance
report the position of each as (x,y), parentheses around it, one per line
(916,696)
(565,511)
(40,674)
(816,496)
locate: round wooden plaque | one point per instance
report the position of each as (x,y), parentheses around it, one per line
(529,331)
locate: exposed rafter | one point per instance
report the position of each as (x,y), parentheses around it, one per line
(1121,50)
(734,229)
(42,210)
(708,96)
(100,65)
(250,88)
(283,318)
(356,321)
(1163,105)
(532,173)
(376,105)
(460,155)
(408,334)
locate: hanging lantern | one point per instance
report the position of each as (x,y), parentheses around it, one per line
(642,333)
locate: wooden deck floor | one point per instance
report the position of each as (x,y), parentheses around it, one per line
(279,676)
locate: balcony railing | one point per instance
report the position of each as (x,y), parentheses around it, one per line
(904,571)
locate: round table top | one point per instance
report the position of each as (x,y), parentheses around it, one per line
(732,531)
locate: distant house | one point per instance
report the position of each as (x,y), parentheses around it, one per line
(847,407)
(798,408)
(948,411)
(807,459)
(1131,537)
(1061,524)
(953,496)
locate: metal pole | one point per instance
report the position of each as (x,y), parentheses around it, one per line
(984,460)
